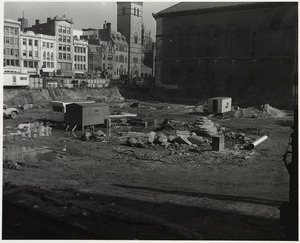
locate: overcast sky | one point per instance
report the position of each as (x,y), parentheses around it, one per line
(84,14)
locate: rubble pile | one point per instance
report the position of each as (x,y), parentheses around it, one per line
(172,125)
(205,127)
(89,135)
(13,165)
(264,111)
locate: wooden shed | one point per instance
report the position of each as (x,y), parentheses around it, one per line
(86,114)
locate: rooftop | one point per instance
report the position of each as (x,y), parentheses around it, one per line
(184,7)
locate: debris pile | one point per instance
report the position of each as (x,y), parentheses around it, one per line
(8,164)
(264,111)
(205,127)
(89,135)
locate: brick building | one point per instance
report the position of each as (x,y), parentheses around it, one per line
(94,58)
(227,48)
(62,29)
(129,23)
(11,46)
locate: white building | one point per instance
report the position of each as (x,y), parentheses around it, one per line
(80,62)
(38,53)
(11,46)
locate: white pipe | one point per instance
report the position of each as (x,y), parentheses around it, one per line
(258,141)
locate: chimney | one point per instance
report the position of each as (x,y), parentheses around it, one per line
(48,19)
(37,22)
(108,29)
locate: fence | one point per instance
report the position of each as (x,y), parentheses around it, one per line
(58,82)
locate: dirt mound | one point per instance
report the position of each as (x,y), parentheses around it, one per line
(16,97)
(264,111)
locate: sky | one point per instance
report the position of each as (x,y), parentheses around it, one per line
(84,14)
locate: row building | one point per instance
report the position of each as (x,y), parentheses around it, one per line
(54,48)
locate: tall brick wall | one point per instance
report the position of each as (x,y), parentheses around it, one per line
(232,52)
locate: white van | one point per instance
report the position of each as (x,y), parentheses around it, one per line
(58,109)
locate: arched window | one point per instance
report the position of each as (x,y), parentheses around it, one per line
(116,58)
(135,38)
(232,31)
(44,55)
(121,58)
(52,56)
(48,56)
(212,41)
(192,42)
(175,43)
(253,31)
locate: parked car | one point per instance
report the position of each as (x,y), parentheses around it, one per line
(10,112)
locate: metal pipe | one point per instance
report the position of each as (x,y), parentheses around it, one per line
(257,142)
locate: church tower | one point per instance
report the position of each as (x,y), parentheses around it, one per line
(129,23)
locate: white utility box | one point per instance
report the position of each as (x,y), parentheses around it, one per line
(219,104)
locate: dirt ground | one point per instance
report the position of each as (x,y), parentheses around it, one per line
(154,192)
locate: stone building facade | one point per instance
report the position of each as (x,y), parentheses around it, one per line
(62,28)
(11,46)
(80,62)
(129,23)
(227,48)
(94,58)
(38,54)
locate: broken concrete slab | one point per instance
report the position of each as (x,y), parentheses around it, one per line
(183,133)
(183,140)
(160,138)
(196,140)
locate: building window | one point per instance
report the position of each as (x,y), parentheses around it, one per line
(135,38)
(75,49)
(48,64)
(68,56)
(30,64)
(103,56)
(68,30)
(52,56)
(59,38)
(64,29)
(24,42)
(25,63)
(35,64)
(36,54)
(68,39)
(52,64)
(44,44)
(116,58)
(51,45)
(48,55)
(60,56)
(64,38)
(30,53)
(135,60)
(30,42)
(64,56)
(44,55)
(35,42)
(64,47)
(68,48)
(174,72)
(60,47)
(109,57)
(16,41)
(253,44)
(60,29)
(121,58)
(24,53)
(48,45)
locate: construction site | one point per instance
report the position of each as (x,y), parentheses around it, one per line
(99,164)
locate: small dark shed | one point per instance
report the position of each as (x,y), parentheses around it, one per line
(86,114)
